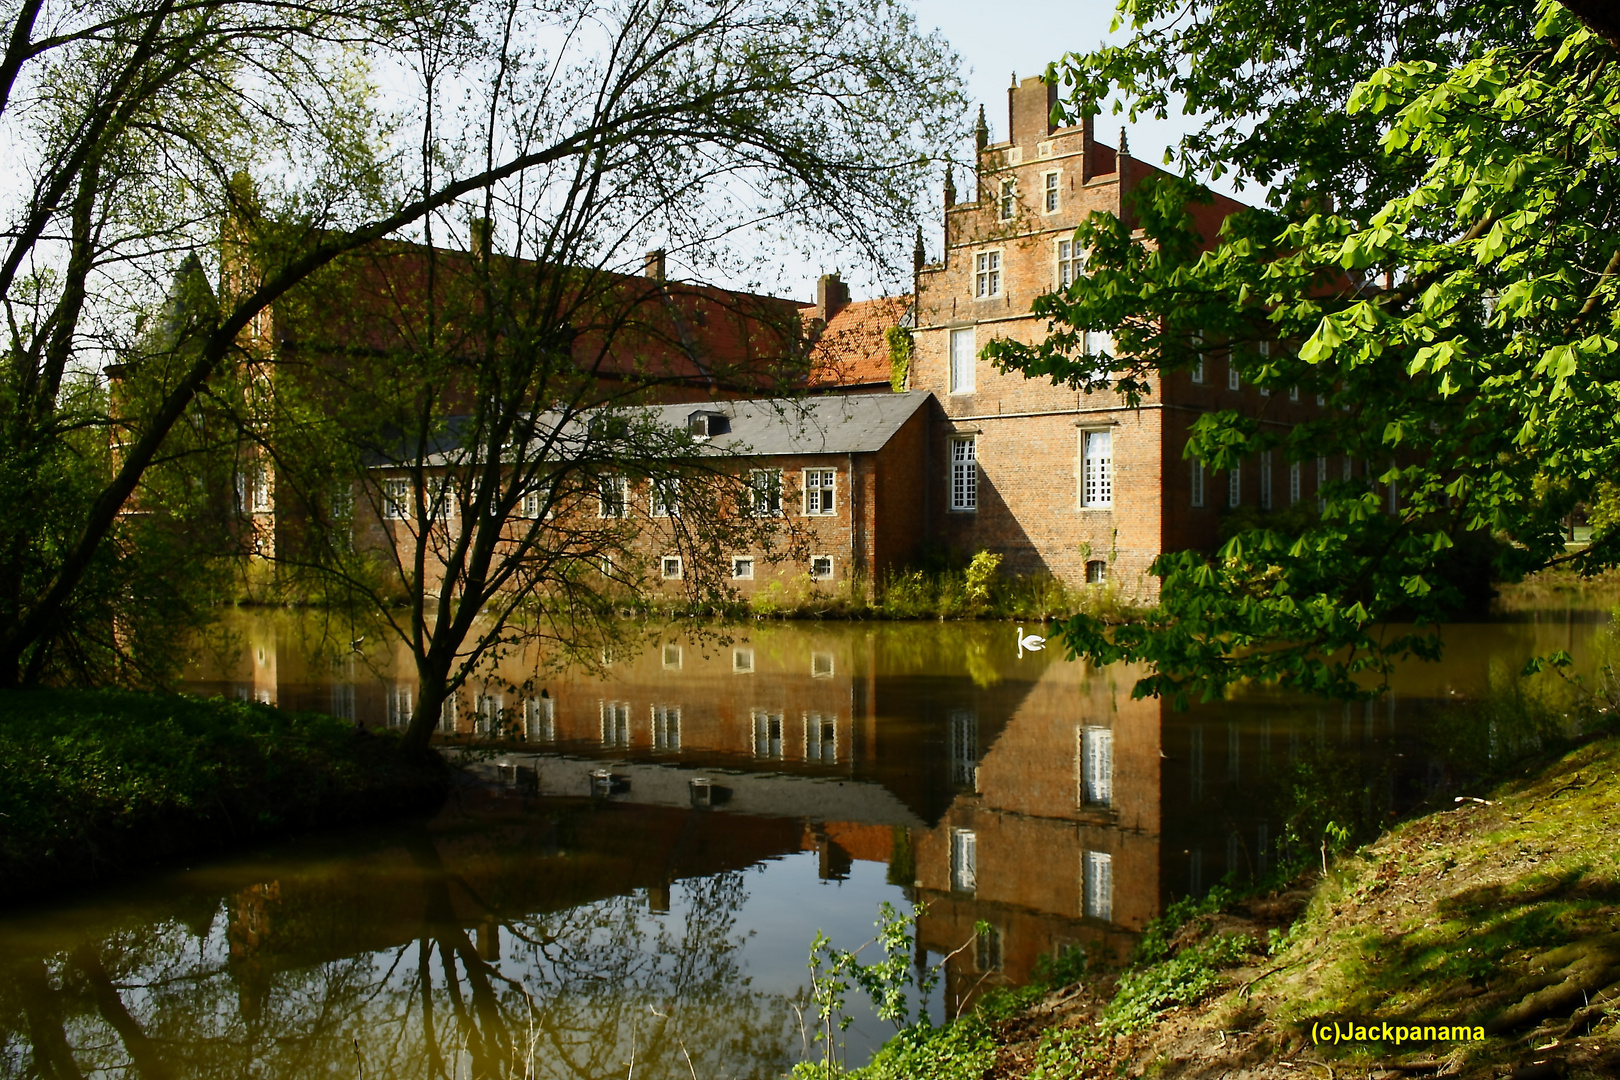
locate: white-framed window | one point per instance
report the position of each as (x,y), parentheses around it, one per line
(821,737)
(613,496)
(963,356)
(964,474)
(616,723)
(539,719)
(765,492)
(742,568)
(605,564)
(821,567)
(396,499)
(1321,400)
(1096,571)
(1097,882)
(819,488)
(1394,495)
(1349,467)
(1197,477)
(1071,262)
(1096,766)
(489,709)
(666,727)
(1050,191)
(1099,343)
(767,734)
(964,748)
(1233,382)
(1265,354)
(1296,482)
(449,713)
(531,503)
(986,275)
(1321,484)
(1197,342)
(666,498)
(964,860)
(397,702)
(670,568)
(987,949)
(673,657)
(1293,393)
(742,660)
(1007,202)
(1234,485)
(1265,480)
(1097,469)
(261,490)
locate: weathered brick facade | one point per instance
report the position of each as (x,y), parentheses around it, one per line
(1005,245)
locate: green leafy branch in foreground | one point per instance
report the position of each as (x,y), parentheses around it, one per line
(1461,337)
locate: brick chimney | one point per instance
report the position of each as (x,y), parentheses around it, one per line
(652,264)
(832,296)
(1029,113)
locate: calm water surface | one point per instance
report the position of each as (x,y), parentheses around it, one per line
(639,876)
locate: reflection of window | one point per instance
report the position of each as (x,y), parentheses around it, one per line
(261,489)
(343,701)
(987,949)
(742,568)
(767,734)
(672,657)
(1195,872)
(398,705)
(615,723)
(666,725)
(820,737)
(1096,766)
(964,735)
(1234,744)
(539,720)
(818,490)
(1097,876)
(964,475)
(1195,765)
(742,661)
(964,860)
(821,568)
(821,665)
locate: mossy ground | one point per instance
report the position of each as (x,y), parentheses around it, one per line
(98,783)
(1503,914)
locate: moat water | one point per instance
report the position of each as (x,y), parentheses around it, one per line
(633,886)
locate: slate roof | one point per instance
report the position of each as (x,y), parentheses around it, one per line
(831,424)
(759,427)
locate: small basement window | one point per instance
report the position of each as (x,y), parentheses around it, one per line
(821,568)
(671,567)
(1096,572)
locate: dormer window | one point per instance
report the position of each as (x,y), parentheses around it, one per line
(703,425)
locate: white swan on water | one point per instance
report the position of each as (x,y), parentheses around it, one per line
(1032,643)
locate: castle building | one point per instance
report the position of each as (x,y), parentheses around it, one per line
(1056,480)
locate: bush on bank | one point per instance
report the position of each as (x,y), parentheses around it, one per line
(95,783)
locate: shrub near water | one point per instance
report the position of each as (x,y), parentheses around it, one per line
(94,782)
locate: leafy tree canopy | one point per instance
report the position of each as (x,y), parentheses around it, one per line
(1456,316)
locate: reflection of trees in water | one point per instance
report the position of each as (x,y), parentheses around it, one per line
(569,994)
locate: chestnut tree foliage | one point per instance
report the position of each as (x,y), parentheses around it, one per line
(1439,261)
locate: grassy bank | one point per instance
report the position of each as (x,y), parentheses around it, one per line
(1501,915)
(97,783)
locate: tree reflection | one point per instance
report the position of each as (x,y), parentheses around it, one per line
(473,990)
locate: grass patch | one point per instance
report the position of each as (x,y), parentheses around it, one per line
(93,783)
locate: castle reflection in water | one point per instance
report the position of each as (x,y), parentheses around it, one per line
(1027,792)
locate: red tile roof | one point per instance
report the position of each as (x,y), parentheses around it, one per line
(851,351)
